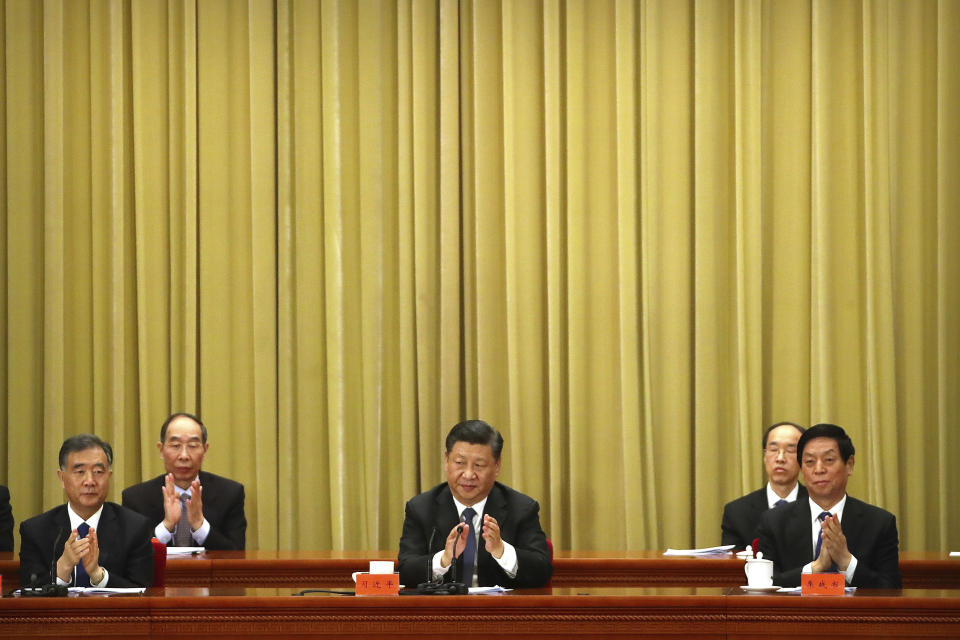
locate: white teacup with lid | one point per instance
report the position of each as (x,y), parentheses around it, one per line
(759,571)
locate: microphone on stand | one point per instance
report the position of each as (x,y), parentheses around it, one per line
(51,589)
(430,581)
(432,588)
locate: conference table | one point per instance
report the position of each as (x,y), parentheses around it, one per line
(593,594)
(920,570)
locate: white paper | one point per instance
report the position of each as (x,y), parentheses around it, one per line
(698,552)
(487,590)
(184,551)
(96,590)
(955,554)
(797,590)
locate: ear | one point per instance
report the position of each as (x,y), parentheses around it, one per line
(160,447)
(850,462)
(60,476)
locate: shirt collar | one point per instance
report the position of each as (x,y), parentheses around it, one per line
(477,507)
(185,491)
(773,498)
(836,510)
(75,520)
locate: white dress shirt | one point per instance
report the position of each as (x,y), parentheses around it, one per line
(773,498)
(199,536)
(836,511)
(508,561)
(93,521)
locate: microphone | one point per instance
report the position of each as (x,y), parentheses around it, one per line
(453,561)
(53,562)
(431,588)
(51,589)
(430,579)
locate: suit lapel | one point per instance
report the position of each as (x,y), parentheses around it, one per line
(496,507)
(801,545)
(759,503)
(446,516)
(850,525)
(107,533)
(62,522)
(209,490)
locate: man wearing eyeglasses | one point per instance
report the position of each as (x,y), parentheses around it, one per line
(193,507)
(741,517)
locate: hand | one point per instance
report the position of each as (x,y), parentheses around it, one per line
(195,505)
(453,539)
(171,503)
(835,543)
(91,557)
(491,536)
(71,556)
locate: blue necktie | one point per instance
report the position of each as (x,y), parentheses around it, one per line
(779,503)
(83,580)
(823,515)
(470,549)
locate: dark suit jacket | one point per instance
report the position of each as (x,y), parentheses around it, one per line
(433,514)
(6,520)
(741,517)
(124,538)
(222,507)
(787,539)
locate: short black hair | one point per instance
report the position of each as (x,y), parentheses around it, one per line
(476,432)
(174,416)
(825,430)
(82,442)
(766,434)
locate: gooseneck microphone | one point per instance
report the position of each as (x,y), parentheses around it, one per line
(51,589)
(53,562)
(432,588)
(430,578)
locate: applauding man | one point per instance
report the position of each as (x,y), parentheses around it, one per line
(192,507)
(88,541)
(500,541)
(830,531)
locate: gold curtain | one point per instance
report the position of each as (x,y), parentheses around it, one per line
(629,234)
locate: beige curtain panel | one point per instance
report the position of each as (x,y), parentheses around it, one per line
(629,235)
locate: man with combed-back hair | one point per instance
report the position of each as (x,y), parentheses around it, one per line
(509,547)
(89,542)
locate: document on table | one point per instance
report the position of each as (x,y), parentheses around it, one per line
(106,590)
(488,590)
(955,554)
(699,552)
(796,590)
(184,551)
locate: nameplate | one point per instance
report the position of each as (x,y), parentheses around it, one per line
(378,584)
(822,584)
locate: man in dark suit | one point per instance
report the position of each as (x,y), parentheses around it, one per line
(192,507)
(500,541)
(88,541)
(830,531)
(742,516)
(6,520)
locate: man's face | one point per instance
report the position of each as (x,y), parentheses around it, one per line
(824,472)
(471,471)
(183,450)
(86,480)
(780,456)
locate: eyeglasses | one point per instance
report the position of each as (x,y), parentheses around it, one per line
(177,446)
(773,450)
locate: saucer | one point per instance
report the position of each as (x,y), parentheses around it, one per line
(749,588)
